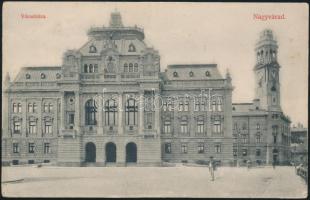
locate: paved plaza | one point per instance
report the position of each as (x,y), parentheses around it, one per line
(179,181)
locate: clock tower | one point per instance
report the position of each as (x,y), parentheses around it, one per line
(267,89)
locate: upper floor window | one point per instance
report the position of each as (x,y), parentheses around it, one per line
(184,126)
(32,128)
(186,105)
(130,67)
(257,126)
(131,110)
(48,107)
(16,126)
(110,112)
(167,126)
(131,48)
(244,139)
(217,126)
(258,138)
(175,74)
(95,68)
(85,68)
(244,126)
(28,76)
(235,126)
(219,104)
(58,76)
(91,68)
(92,49)
(43,76)
(213,105)
(48,128)
(181,106)
(200,126)
(207,73)
(136,68)
(258,152)
(125,67)
(32,107)
(17,107)
(90,112)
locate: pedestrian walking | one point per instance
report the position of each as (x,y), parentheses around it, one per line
(211,168)
(274,164)
(248,164)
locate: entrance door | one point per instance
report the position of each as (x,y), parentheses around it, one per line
(110,152)
(131,153)
(90,152)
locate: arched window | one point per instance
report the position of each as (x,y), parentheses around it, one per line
(95,68)
(19,107)
(131,110)
(90,112)
(14,108)
(85,68)
(110,112)
(132,48)
(91,69)
(92,49)
(130,67)
(136,69)
(219,104)
(125,67)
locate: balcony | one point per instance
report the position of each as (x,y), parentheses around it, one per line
(68,133)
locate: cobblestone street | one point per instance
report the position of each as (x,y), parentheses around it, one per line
(181,181)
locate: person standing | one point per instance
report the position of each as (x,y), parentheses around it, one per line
(211,168)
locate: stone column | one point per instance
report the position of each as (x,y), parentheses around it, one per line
(120,114)
(157,120)
(100,115)
(141,113)
(62,111)
(77,112)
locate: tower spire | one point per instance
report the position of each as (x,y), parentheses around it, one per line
(116,19)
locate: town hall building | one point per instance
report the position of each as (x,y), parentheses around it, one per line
(109,104)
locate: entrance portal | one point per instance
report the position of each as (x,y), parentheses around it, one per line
(90,152)
(110,152)
(131,153)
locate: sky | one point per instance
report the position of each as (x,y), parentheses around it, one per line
(183,33)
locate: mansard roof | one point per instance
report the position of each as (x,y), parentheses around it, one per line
(40,73)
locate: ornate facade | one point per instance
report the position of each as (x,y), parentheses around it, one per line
(109,104)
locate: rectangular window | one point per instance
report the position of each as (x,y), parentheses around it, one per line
(200,126)
(244,139)
(34,108)
(71,118)
(184,148)
(32,127)
(31,147)
(257,152)
(16,126)
(19,107)
(30,107)
(235,152)
(14,108)
(244,152)
(15,148)
(258,138)
(257,126)
(218,148)
(167,127)
(149,118)
(184,127)
(219,105)
(197,105)
(45,108)
(167,147)
(48,127)
(235,126)
(181,106)
(186,106)
(201,148)
(213,105)
(47,148)
(217,126)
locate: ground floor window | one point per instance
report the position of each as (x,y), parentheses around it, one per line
(47,148)
(15,148)
(258,152)
(201,148)
(184,148)
(218,148)
(30,161)
(167,147)
(31,147)
(15,162)
(244,152)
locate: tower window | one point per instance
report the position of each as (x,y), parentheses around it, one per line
(58,76)
(130,67)
(43,76)
(28,76)
(191,74)
(92,49)
(125,67)
(207,73)
(131,48)
(175,74)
